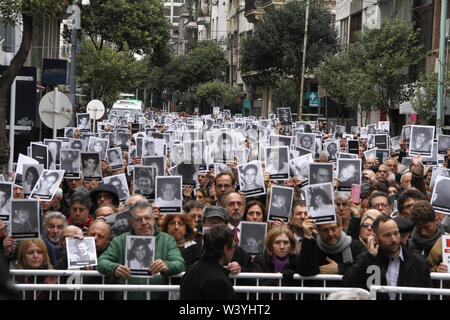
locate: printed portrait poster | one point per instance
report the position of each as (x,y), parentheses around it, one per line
(300,168)
(47,185)
(139,255)
(119,182)
(320,173)
(251,179)
(443,143)
(440,198)
(349,173)
(252,237)
(421,140)
(6,191)
(320,202)
(280,203)
(39,152)
(81,252)
(91,168)
(25,222)
(169,194)
(119,222)
(144,181)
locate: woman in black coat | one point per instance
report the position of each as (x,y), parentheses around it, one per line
(280,256)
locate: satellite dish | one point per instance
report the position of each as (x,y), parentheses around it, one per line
(55,110)
(96,109)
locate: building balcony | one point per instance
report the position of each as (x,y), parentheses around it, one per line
(253,10)
(192,25)
(203,20)
(266,4)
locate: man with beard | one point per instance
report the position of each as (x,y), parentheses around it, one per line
(54,223)
(399,266)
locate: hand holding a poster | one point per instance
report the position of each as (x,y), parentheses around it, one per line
(309,227)
(158,266)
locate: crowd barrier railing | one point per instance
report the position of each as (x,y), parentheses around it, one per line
(74,282)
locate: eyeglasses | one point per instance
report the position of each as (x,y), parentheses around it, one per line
(143,219)
(366,225)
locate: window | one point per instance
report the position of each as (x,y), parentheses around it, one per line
(355,26)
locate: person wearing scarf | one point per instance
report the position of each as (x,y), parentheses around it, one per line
(330,251)
(427,230)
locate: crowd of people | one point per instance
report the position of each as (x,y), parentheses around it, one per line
(389,223)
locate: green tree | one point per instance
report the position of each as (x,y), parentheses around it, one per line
(275,48)
(136,25)
(425,96)
(29,14)
(373,72)
(283,94)
(106,73)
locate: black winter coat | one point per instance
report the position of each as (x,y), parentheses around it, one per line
(206,280)
(414,272)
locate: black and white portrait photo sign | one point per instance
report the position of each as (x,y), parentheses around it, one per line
(54,148)
(47,185)
(305,141)
(81,252)
(31,174)
(320,203)
(98,145)
(320,173)
(6,190)
(114,156)
(169,197)
(332,149)
(421,140)
(440,199)
(349,172)
(25,224)
(84,122)
(299,167)
(443,143)
(252,237)
(119,182)
(119,222)
(91,168)
(284,115)
(280,203)
(251,179)
(144,181)
(39,152)
(139,254)
(71,163)
(277,162)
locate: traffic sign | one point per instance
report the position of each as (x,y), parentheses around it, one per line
(313,98)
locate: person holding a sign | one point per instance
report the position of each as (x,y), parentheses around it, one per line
(170,262)
(331,252)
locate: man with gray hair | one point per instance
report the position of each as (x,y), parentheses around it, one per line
(52,229)
(169,262)
(350,223)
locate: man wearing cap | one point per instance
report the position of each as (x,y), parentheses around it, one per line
(214,215)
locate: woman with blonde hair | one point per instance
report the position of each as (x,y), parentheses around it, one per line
(33,254)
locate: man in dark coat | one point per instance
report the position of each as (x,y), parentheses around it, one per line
(208,279)
(330,252)
(391,263)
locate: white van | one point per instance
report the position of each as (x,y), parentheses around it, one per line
(127,105)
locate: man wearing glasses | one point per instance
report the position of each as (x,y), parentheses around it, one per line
(112,261)
(224,184)
(382,202)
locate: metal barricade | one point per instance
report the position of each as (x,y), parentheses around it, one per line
(374,289)
(75,278)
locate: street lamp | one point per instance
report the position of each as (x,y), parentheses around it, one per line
(75,26)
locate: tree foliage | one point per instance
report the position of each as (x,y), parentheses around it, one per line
(424,99)
(216,90)
(205,63)
(374,70)
(136,25)
(275,47)
(106,73)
